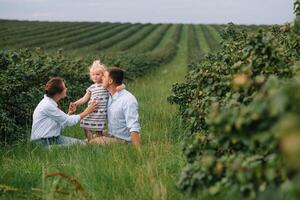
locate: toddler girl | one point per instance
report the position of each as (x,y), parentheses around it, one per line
(94,123)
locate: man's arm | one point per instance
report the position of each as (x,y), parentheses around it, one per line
(132,121)
(135,138)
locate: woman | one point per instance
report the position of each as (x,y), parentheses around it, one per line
(49,120)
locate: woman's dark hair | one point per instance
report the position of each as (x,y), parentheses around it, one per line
(54,86)
(116,74)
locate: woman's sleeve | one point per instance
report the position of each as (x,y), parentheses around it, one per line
(60,117)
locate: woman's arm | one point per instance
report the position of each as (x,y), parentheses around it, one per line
(67,120)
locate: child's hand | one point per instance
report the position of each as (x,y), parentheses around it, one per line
(121,87)
(91,107)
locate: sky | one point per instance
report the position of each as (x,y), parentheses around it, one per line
(151,11)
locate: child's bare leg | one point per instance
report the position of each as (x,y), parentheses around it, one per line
(88,134)
(99,133)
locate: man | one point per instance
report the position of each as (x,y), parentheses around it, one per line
(49,120)
(122,111)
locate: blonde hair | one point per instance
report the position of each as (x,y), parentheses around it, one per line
(96,65)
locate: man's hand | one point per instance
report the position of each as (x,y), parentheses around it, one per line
(135,138)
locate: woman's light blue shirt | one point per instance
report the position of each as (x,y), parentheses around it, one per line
(49,120)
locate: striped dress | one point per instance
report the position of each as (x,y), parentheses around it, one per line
(96,120)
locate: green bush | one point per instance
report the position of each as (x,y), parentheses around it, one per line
(22,79)
(233,102)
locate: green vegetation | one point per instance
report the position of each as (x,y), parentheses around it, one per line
(241,110)
(152,40)
(238,105)
(194,50)
(114,171)
(134,39)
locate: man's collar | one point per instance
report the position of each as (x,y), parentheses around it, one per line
(117,95)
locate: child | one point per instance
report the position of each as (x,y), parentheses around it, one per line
(95,121)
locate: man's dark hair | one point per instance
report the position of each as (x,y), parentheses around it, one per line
(116,74)
(54,86)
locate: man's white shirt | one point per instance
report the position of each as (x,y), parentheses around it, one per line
(122,113)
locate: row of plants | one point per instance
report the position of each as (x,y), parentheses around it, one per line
(91,42)
(241,110)
(89,37)
(210,37)
(63,42)
(17,40)
(24,73)
(118,37)
(194,50)
(152,40)
(135,39)
(137,64)
(11,28)
(41,40)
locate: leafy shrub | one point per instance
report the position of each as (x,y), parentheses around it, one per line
(22,79)
(234,103)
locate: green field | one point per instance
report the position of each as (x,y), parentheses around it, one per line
(90,37)
(114,171)
(218,105)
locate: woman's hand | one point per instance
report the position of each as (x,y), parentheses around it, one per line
(72,108)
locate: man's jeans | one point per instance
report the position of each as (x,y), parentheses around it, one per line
(59,140)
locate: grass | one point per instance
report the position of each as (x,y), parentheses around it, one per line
(114,171)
